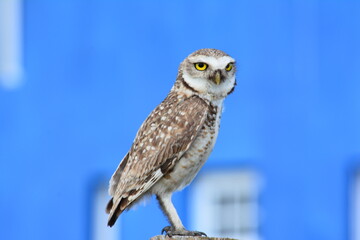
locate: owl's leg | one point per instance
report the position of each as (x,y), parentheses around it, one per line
(170,212)
(176,228)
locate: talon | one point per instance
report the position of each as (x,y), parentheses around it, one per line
(196,233)
(202,234)
(171,231)
(166,230)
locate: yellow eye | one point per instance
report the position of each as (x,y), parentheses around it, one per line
(201,66)
(229,67)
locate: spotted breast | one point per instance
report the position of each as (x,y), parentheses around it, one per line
(191,162)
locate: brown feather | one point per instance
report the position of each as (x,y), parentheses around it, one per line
(160,142)
(119,209)
(116,177)
(109,206)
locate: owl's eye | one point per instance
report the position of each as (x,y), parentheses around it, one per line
(229,67)
(201,66)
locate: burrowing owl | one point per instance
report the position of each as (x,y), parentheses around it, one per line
(176,138)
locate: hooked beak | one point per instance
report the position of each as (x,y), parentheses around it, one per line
(217,78)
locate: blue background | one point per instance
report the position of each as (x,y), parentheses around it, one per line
(95,69)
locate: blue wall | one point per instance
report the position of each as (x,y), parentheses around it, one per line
(95,69)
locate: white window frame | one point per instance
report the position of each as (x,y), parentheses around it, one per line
(241,211)
(355,207)
(100,230)
(11,69)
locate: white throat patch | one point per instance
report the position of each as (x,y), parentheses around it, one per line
(209,89)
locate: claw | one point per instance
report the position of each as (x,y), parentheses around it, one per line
(171,231)
(200,233)
(166,230)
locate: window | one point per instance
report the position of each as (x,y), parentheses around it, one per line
(100,230)
(10,43)
(226,204)
(355,208)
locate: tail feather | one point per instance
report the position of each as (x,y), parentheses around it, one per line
(125,201)
(109,205)
(114,215)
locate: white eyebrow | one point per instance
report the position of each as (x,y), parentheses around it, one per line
(215,63)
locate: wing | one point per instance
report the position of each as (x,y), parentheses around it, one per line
(162,139)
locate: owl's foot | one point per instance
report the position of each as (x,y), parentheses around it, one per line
(171,231)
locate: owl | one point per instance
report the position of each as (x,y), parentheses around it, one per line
(176,139)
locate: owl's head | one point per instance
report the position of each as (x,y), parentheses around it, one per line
(210,72)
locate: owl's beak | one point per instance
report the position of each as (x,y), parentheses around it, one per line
(217,78)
